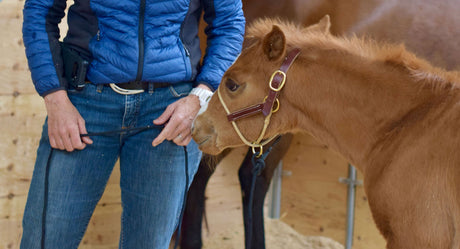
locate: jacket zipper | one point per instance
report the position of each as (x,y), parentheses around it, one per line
(140,65)
(187,55)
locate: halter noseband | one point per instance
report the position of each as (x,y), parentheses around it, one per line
(276,83)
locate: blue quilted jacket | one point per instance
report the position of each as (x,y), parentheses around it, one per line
(133,40)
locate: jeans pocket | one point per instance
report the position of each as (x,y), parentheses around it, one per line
(180,89)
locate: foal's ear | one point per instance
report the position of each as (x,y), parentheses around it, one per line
(323,26)
(274,43)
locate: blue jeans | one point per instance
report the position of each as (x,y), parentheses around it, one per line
(152,179)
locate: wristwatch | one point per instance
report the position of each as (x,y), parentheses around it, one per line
(203,95)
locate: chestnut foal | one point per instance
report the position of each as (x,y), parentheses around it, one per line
(388,112)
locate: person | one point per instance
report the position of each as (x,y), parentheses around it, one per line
(122,65)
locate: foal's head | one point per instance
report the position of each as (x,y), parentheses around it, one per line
(246,83)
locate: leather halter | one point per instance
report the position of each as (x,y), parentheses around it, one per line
(276,83)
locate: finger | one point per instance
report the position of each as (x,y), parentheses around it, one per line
(165,116)
(53,142)
(184,129)
(178,139)
(86,139)
(166,133)
(67,133)
(74,135)
(82,127)
(182,137)
(186,133)
(52,136)
(56,141)
(59,143)
(174,130)
(185,142)
(76,141)
(67,142)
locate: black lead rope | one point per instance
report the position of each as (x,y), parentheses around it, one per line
(122,131)
(176,242)
(111,133)
(258,165)
(45,199)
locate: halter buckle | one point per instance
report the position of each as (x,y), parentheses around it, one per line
(283,80)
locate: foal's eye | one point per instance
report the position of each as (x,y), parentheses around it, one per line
(231,85)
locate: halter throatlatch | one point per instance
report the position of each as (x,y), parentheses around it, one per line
(267,108)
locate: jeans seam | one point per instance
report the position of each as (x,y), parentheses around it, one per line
(137,106)
(124,116)
(148,197)
(122,233)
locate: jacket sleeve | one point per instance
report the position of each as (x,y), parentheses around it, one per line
(225,33)
(41,39)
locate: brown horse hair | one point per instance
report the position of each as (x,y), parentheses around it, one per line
(297,36)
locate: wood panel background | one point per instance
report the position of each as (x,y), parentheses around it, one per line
(313,200)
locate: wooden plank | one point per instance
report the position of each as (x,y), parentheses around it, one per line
(14,70)
(13,64)
(22,118)
(10,235)
(10,10)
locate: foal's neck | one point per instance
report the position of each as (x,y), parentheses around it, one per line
(354,104)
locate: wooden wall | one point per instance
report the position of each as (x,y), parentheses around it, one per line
(313,201)
(21,115)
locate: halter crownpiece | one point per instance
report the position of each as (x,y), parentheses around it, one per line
(276,83)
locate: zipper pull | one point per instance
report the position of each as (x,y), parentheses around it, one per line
(186,51)
(98,35)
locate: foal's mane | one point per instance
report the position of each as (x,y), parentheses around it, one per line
(298,36)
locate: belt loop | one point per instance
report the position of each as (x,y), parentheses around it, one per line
(99,88)
(151,87)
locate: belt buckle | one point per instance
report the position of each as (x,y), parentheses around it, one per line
(123,91)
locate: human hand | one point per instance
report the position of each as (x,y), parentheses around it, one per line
(179,117)
(65,124)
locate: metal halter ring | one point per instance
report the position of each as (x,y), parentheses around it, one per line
(277,106)
(261,151)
